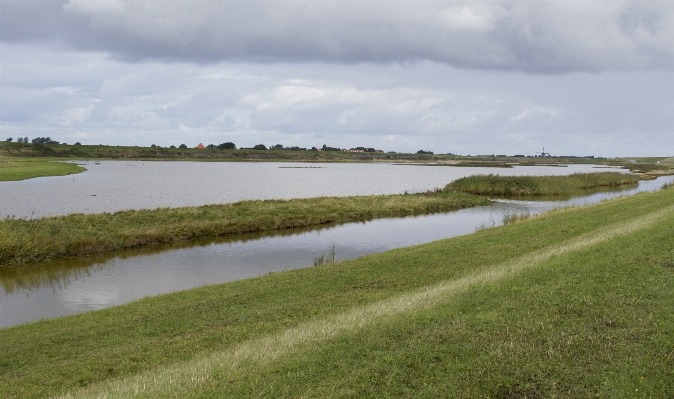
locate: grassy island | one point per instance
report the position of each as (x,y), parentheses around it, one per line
(23,241)
(575,303)
(529,186)
(13,169)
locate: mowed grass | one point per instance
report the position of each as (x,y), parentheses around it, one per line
(526,186)
(12,169)
(23,241)
(576,303)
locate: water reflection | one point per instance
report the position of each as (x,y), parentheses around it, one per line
(77,285)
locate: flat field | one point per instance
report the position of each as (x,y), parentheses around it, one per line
(576,303)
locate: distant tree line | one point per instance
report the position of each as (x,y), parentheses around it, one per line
(224,146)
(18,139)
(43,140)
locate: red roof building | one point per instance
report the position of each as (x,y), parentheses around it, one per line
(200,146)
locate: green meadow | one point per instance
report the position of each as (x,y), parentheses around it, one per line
(575,303)
(12,169)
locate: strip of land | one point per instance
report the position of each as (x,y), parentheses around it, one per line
(531,186)
(12,169)
(574,303)
(24,241)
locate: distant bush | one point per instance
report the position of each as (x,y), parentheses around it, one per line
(260,147)
(182,146)
(227,146)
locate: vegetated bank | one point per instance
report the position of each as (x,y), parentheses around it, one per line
(529,186)
(12,169)
(23,241)
(573,303)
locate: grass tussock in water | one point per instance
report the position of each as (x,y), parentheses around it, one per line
(528,186)
(24,241)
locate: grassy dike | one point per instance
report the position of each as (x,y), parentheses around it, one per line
(12,169)
(24,241)
(575,303)
(530,186)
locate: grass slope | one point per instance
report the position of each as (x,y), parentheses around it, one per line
(525,186)
(24,241)
(21,169)
(576,303)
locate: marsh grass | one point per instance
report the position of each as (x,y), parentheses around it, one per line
(528,186)
(23,240)
(329,259)
(514,217)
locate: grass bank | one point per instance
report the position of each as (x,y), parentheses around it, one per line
(12,169)
(23,241)
(527,186)
(576,303)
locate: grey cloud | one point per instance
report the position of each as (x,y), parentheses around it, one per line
(544,37)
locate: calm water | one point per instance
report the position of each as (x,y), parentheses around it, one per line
(118,185)
(75,286)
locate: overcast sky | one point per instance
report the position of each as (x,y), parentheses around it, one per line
(503,77)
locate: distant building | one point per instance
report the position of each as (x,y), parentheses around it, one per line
(201,146)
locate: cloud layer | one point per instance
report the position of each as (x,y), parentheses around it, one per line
(532,36)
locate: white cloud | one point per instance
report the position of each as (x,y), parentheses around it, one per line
(476,17)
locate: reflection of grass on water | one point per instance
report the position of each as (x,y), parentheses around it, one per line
(528,186)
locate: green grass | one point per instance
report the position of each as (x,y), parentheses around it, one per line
(527,186)
(23,241)
(575,303)
(20,169)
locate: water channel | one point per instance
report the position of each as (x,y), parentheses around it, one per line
(67,287)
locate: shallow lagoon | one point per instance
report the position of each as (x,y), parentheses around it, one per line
(119,185)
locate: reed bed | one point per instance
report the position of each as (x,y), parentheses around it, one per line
(23,240)
(529,186)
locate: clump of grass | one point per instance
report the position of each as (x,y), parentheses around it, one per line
(329,259)
(23,240)
(527,186)
(486,225)
(667,184)
(514,217)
